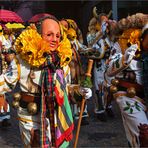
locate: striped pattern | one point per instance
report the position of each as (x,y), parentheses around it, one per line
(54,96)
(64,118)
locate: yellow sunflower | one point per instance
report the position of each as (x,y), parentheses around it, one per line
(31,47)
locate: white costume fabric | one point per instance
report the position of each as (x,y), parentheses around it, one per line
(28,123)
(4,106)
(133,110)
(133,113)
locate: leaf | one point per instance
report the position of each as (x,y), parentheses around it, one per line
(137,105)
(127,103)
(131,110)
(138,108)
(126,108)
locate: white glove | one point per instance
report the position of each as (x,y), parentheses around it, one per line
(130,53)
(86,91)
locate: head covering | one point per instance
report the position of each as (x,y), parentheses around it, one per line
(36,18)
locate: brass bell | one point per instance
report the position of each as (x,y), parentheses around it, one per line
(15,104)
(131,92)
(114,82)
(32,108)
(17,96)
(113,89)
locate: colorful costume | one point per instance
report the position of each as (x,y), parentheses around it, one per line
(44,112)
(129,97)
(4,106)
(76,69)
(98,39)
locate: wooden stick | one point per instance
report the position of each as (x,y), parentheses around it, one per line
(88,74)
(89,68)
(79,122)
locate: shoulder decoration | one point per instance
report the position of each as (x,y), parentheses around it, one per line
(32,48)
(64,50)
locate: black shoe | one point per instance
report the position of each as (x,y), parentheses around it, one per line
(110,112)
(5,123)
(102,117)
(84,121)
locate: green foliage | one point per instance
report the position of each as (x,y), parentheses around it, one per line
(87,82)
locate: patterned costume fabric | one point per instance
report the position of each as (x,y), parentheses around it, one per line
(133,113)
(4,109)
(8,80)
(133,110)
(58,130)
(54,96)
(4,106)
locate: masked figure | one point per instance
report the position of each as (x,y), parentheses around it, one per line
(44,113)
(126,66)
(76,68)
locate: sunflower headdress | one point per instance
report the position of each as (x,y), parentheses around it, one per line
(32,48)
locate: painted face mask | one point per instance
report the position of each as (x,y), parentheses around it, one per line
(71,34)
(51,33)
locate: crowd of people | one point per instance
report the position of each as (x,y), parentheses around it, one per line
(47,62)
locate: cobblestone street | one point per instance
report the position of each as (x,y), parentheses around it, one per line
(96,134)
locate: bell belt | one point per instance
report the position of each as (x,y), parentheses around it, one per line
(27,98)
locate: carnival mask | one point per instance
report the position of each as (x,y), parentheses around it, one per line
(51,33)
(71,34)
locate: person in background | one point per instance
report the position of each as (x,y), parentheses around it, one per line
(99,40)
(127,88)
(77,68)
(4,105)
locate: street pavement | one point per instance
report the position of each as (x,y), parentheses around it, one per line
(97,134)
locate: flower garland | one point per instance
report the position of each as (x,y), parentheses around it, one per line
(32,48)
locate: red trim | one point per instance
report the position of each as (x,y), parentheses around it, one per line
(126,84)
(67,135)
(60,100)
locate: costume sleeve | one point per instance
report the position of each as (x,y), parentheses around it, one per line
(9,79)
(67,75)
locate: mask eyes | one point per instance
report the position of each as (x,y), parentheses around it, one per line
(49,34)
(58,36)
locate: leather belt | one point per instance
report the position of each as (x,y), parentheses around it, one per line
(26,98)
(127,84)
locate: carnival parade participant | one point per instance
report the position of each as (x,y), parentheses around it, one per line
(76,72)
(100,42)
(4,105)
(44,113)
(127,90)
